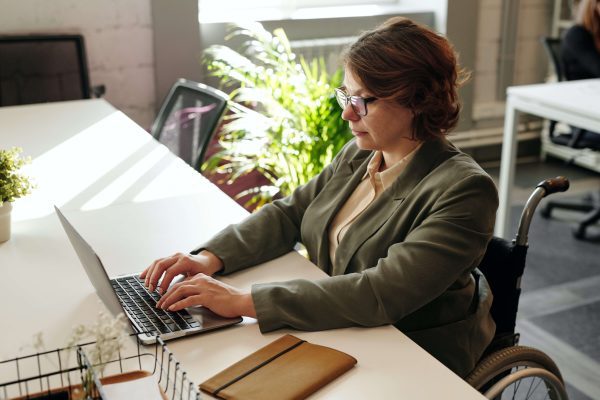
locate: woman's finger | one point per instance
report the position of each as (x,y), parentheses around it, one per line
(158,270)
(182,266)
(147,274)
(178,292)
(148,271)
(191,301)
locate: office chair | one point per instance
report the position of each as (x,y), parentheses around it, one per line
(552,47)
(506,369)
(188,119)
(44,68)
(577,138)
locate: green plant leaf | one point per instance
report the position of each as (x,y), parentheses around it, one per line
(13,184)
(284,120)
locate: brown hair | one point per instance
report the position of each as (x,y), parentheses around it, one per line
(588,17)
(406,62)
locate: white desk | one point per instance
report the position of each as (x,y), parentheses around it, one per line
(135,202)
(576,103)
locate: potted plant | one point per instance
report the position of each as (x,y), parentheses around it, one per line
(284,121)
(12,186)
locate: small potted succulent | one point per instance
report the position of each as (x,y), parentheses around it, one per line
(13,185)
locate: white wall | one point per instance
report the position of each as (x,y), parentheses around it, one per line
(531,64)
(118,36)
(535,20)
(488,48)
(177,47)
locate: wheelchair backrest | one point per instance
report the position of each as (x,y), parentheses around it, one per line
(502,266)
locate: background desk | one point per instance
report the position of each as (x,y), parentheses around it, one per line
(134,202)
(576,103)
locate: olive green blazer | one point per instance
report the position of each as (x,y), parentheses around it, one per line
(408,260)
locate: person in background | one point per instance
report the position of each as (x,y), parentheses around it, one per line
(399,220)
(580,54)
(580,50)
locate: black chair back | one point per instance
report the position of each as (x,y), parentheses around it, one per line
(552,47)
(188,119)
(578,138)
(42,68)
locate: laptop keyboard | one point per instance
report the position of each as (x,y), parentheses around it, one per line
(140,303)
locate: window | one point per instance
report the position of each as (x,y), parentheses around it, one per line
(231,10)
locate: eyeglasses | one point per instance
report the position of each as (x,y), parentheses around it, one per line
(358,104)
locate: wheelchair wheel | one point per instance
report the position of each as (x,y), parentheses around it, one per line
(518,372)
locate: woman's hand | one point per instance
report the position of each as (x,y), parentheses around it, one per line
(179,264)
(202,290)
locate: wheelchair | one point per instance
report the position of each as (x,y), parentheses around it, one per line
(508,370)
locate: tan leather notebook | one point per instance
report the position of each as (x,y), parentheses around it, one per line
(288,368)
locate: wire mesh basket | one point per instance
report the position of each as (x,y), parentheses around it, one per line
(68,373)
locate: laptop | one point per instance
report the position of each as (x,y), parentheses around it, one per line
(127,294)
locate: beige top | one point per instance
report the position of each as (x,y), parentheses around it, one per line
(365,193)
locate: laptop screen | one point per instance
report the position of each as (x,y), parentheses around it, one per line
(93,266)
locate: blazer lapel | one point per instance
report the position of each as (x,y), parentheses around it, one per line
(430,155)
(331,199)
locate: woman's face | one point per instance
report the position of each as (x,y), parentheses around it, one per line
(387,127)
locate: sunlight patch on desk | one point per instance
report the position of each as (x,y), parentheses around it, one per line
(172,181)
(126,180)
(66,170)
(39,127)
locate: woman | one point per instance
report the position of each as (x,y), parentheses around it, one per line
(580,53)
(581,44)
(399,220)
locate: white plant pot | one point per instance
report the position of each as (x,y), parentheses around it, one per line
(5,210)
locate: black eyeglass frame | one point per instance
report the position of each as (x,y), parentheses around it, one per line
(355,102)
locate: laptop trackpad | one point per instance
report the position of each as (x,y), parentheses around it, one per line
(210,320)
